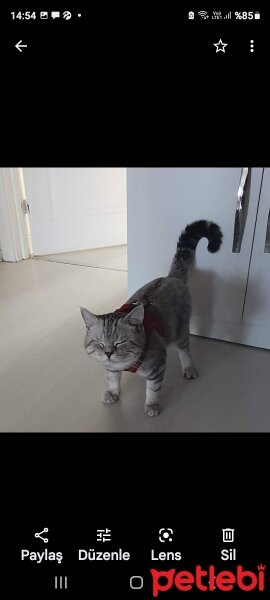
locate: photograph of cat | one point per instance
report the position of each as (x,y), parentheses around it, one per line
(135,336)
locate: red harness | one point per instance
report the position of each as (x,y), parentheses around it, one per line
(151,323)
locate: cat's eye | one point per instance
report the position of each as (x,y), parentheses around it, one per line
(98,343)
(119,343)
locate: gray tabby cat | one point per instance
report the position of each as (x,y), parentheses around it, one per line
(134,337)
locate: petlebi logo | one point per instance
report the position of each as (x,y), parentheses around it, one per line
(209,579)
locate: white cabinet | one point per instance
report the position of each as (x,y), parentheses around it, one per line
(256,313)
(161,202)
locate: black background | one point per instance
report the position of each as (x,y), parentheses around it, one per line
(131,86)
(137,86)
(133,484)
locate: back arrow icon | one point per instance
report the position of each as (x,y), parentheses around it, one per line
(20,45)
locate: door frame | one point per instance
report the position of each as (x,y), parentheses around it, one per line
(13,232)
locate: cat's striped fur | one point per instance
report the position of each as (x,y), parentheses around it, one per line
(119,339)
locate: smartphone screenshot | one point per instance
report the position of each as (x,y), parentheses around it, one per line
(134,300)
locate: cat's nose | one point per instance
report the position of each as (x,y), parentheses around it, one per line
(109,353)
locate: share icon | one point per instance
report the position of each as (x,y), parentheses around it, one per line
(39,535)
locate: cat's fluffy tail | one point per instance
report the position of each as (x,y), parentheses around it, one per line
(187,243)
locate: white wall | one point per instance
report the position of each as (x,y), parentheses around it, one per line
(5,227)
(76,208)
(12,232)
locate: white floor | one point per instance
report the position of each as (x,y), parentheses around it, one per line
(48,383)
(100,258)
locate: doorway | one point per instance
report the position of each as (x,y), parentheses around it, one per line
(76,209)
(48,212)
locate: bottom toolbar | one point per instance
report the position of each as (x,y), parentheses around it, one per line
(148,561)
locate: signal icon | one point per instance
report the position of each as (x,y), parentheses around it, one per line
(203,14)
(228,16)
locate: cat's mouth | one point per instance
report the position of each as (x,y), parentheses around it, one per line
(109,359)
(115,359)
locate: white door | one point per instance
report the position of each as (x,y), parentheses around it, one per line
(161,202)
(256,317)
(76,209)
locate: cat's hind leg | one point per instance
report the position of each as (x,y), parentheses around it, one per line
(112,395)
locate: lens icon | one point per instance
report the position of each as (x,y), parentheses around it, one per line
(165,535)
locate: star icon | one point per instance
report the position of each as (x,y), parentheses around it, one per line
(220,46)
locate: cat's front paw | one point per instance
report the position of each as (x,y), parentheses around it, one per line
(151,410)
(190,373)
(110,397)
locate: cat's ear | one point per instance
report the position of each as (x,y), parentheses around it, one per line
(88,317)
(136,316)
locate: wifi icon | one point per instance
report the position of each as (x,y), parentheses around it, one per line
(67,15)
(203,14)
